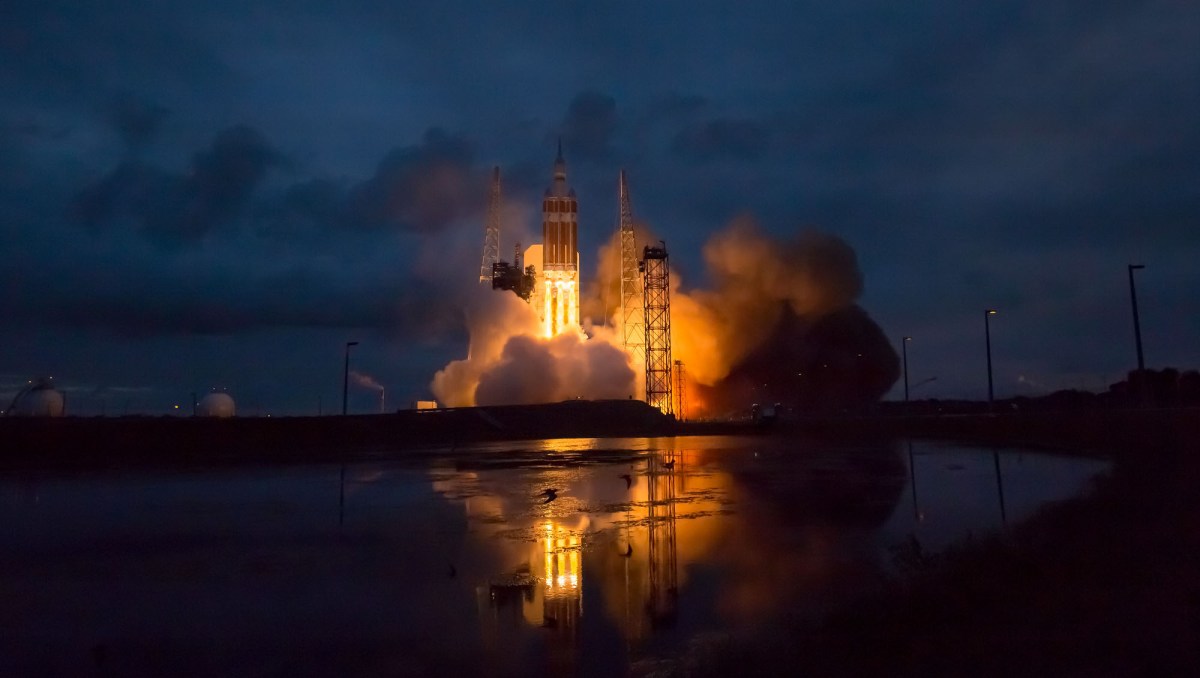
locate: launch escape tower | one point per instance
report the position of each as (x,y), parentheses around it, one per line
(633,320)
(491,234)
(657,302)
(559,291)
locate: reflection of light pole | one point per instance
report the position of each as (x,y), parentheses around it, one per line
(912,474)
(904,348)
(346,376)
(987,337)
(999,486)
(1137,327)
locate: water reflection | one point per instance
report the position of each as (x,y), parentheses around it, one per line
(460,564)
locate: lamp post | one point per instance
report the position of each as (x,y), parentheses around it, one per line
(987,337)
(346,376)
(904,350)
(1137,327)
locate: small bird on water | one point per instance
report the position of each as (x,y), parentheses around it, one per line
(628,551)
(669,465)
(628,480)
(549,494)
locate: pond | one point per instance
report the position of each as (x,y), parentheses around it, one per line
(459,562)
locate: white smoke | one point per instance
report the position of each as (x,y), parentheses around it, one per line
(365,381)
(509,362)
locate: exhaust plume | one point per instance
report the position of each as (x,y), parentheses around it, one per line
(509,362)
(778,324)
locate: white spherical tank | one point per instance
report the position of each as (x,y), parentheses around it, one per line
(42,400)
(218,405)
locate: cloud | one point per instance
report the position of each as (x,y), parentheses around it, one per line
(136,120)
(175,209)
(589,126)
(423,187)
(722,139)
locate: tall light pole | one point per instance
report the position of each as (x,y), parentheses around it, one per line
(904,349)
(1137,327)
(346,376)
(987,337)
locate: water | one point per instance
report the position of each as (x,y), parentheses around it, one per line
(445,564)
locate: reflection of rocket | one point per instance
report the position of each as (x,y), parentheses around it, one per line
(556,297)
(562,599)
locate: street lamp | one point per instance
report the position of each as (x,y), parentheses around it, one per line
(346,375)
(1137,327)
(987,337)
(904,349)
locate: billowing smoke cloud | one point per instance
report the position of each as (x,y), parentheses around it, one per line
(509,362)
(756,279)
(779,323)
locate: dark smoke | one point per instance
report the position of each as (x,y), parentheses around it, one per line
(839,361)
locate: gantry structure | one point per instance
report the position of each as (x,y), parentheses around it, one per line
(491,233)
(680,404)
(656,288)
(633,319)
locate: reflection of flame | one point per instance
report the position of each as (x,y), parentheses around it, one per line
(559,602)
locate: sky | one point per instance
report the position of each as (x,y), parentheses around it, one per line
(199,195)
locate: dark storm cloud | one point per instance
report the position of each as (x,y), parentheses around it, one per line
(423,187)
(590,125)
(722,139)
(136,120)
(64,53)
(175,209)
(297,299)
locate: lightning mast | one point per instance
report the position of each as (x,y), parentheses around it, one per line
(680,408)
(491,234)
(657,301)
(632,313)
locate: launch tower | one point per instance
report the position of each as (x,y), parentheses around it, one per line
(633,321)
(558,293)
(657,301)
(491,233)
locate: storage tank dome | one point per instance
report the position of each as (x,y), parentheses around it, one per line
(215,405)
(39,400)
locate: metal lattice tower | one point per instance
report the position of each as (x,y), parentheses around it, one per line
(491,234)
(633,317)
(679,391)
(657,302)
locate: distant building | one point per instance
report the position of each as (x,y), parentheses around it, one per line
(216,405)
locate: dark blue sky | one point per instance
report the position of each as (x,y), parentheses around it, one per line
(221,194)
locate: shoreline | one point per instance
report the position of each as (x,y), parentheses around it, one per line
(1132,435)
